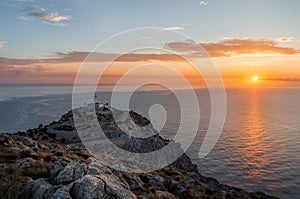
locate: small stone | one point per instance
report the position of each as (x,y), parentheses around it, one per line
(157,180)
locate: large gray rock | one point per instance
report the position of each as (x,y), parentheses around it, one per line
(88,187)
(43,189)
(115,189)
(62,173)
(60,193)
(39,188)
(55,167)
(96,168)
(68,180)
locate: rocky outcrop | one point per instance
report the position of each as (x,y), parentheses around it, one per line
(49,162)
(126,129)
(73,180)
(57,170)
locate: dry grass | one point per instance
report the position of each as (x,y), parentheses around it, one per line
(170,173)
(8,154)
(46,156)
(36,172)
(78,154)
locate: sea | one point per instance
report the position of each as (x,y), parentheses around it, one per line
(258,150)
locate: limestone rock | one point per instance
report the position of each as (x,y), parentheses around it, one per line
(88,187)
(39,188)
(67,174)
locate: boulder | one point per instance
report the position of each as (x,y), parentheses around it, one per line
(39,188)
(115,189)
(88,187)
(55,167)
(59,193)
(96,168)
(67,174)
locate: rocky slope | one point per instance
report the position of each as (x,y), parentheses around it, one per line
(49,162)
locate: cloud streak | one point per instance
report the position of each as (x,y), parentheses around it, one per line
(174,28)
(50,18)
(2,44)
(75,57)
(203,3)
(284,39)
(25,0)
(283,79)
(225,48)
(231,47)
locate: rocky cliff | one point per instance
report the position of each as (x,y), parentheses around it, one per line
(50,162)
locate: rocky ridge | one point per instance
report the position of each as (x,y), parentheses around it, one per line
(49,162)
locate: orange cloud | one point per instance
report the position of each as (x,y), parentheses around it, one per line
(231,47)
(62,67)
(75,57)
(225,48)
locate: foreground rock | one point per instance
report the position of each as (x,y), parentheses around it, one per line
(71,179)
(55,170)
(49,162)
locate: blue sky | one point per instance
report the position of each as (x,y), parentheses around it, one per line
(25,35)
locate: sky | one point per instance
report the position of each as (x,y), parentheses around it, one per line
(45,42)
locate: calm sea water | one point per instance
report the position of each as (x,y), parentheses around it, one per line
(259,148)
